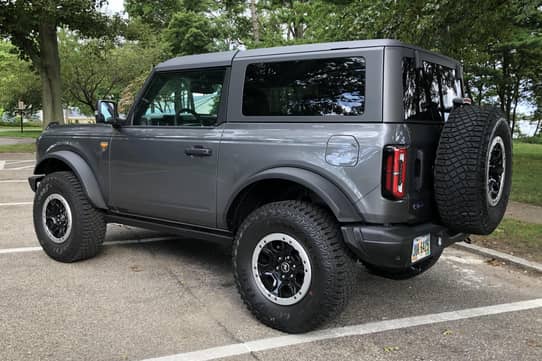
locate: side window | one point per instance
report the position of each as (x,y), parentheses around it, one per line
(428,93)
(190,98)
(315,87)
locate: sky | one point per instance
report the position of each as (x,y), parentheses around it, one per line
(114,6)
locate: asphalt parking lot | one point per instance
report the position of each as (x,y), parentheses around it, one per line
(150,295)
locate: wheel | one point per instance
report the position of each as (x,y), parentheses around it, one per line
(473,170)
(291,266)
(68,227)
(405,273)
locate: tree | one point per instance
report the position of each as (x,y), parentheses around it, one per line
(189,33)
(98,68)
(32,28)
(17,80)
(499,42)
(204,26)
(255,21)
(156,13)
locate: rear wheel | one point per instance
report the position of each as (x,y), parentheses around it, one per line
(291,266)
(68,227)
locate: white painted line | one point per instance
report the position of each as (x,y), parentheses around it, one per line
(356,330)
(14,181)
(15,204)
(21,161)
(2,164)
(19,250)
(20,168)
(112,243)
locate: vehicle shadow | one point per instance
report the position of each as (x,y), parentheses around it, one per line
(442,288)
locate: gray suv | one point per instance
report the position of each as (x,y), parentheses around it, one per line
(305,159)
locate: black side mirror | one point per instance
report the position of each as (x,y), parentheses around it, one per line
(106,112)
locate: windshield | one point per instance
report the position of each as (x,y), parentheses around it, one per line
(428,92)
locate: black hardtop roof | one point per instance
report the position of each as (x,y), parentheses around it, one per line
(225,58)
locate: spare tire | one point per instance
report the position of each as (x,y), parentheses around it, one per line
(473,169)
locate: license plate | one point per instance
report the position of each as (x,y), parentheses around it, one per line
(421,247)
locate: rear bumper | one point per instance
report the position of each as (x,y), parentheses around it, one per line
(391,246)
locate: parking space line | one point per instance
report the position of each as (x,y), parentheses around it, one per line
(2,164)
(9,204)
(14,181)
(356,330)
(19,250)
(20,168)
(15,204)
(112,243)
(20,161)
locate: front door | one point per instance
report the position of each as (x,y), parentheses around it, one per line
(164,164)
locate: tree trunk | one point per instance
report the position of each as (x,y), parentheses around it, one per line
(255,23)
(467,88)
(516,99)
(50,75)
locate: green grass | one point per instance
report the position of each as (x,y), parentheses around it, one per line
(17,124)
(28,133)
(527,173)
(18,148)
(515,237)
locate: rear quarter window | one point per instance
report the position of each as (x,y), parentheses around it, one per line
(314,87)
(428,92)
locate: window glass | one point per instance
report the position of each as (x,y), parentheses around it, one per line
(428,93)
(107,111)
(314,87)
(182,99)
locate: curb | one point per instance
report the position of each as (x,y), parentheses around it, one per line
(520,262)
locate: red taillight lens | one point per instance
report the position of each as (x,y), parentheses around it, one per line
(394,175)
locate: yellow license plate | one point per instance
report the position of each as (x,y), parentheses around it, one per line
(421,247)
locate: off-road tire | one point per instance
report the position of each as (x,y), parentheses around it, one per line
(461,167)
(403,273)
(88,224)
(332,264)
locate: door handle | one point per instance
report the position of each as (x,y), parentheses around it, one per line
(198,151)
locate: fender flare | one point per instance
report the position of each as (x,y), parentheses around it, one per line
(342,207)
(82,171)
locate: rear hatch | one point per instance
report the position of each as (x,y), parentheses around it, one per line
(428,93)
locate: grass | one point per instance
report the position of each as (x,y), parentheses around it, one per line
(18,148)
(515,237)
(17,124)
(527,173)
(28,133)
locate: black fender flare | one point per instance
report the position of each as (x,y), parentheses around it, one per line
(342,207)
(82,171)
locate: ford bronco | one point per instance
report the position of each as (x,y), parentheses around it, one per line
(305,159)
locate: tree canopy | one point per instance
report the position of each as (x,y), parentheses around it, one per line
(32,27)
(498,41)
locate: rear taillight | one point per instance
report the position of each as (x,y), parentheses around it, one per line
(394,172)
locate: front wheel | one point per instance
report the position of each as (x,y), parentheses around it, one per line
(68,227)
(291,266)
